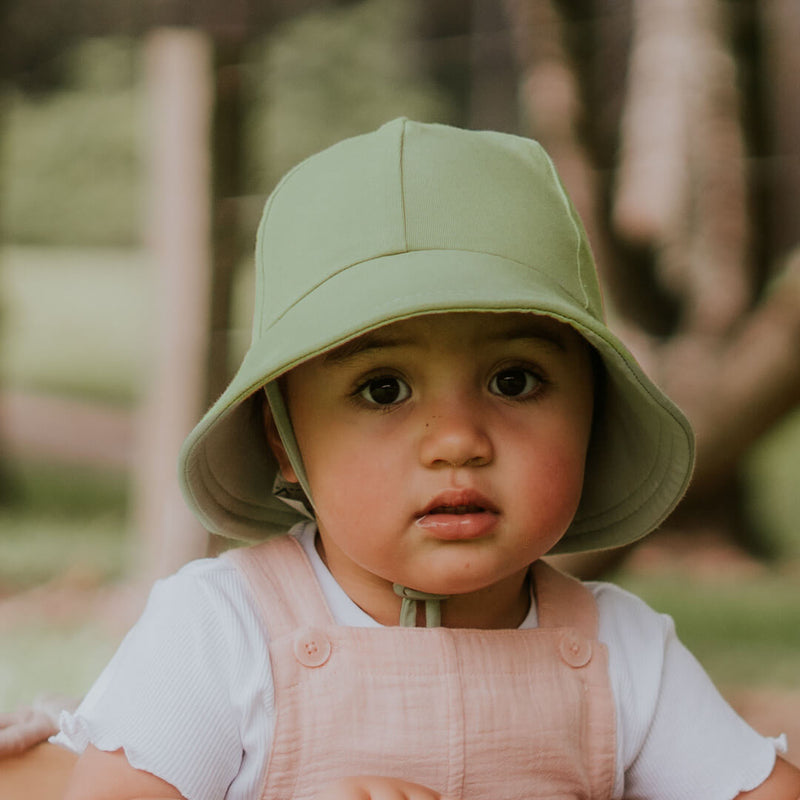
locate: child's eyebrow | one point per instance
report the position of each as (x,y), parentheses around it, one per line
(380,341)
(363,344)
(531,332)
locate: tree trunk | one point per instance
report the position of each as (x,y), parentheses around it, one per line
(179,66)
(493,92)
(780,29)
(679,195)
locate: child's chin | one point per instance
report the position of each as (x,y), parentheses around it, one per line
(460,584)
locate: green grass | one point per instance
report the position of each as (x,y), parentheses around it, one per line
(69,526)
(39,658)
(745,632)
(72,170)
(35,548)
(56,519)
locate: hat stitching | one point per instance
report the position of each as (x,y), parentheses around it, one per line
(575,226)
(405,298)
(261,285)
(403,185)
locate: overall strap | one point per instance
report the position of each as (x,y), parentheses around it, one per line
(563,601)
(283,584)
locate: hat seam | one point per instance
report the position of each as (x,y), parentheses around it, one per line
(260,235)
(421,294)
(575,227)
(403,186)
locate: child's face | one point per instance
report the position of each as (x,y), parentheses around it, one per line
(444,452)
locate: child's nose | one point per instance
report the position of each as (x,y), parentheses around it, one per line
(456,436)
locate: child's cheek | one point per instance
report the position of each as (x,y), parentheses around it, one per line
(355,486)
(553,489)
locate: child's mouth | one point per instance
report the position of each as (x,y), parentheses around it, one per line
(459,502)
(457,515)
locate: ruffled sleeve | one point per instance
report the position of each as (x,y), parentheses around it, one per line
(188,695)
(677,736)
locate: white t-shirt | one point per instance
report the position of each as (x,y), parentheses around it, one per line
(189,694)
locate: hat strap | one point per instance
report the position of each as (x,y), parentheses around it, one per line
(283,424)
(411,600)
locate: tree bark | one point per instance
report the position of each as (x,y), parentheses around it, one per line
(780,30)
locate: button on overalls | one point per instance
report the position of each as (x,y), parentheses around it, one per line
(474,714)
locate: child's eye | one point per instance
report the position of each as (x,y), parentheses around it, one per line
(514,382)
(384,390)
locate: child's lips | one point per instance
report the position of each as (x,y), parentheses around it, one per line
(458,514)
(459,501)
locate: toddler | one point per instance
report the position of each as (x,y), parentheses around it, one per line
(431,403)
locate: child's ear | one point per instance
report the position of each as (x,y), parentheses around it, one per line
(276,445)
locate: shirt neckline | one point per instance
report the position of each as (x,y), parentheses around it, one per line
(344,611)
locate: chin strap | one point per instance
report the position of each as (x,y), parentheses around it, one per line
(411,599)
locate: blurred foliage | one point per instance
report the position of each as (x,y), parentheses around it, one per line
(330,74)
(771,474)
(68,527)
(98,343)
(40,546)
(72,493)
(55,658)
(72,168)
(70,160)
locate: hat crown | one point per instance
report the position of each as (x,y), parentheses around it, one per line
(418,187)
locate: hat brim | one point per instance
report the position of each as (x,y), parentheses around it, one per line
(642,448)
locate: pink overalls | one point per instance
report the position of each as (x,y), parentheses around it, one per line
(474,714)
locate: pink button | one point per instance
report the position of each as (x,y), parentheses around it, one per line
(312,648)
(575,649)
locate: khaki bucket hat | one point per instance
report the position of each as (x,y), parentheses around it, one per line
(416,219)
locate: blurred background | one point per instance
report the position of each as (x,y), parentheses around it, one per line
(138,142)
